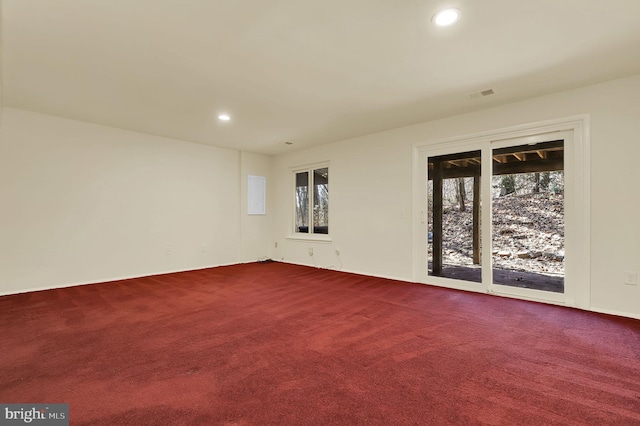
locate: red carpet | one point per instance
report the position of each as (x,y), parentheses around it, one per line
(278,344)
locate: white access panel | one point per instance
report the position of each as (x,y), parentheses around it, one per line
(257,195)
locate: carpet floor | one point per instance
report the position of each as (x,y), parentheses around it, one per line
(280,344)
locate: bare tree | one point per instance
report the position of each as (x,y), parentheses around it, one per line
(461,194)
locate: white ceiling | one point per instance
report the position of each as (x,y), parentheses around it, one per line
(305,71)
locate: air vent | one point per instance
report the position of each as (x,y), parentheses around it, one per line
(481,94)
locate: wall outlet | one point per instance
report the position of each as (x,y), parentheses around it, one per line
(275,244)
(631,278)
(337,252)
(203,248)
(310,251)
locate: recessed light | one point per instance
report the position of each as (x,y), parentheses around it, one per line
(224,117)
(446,17)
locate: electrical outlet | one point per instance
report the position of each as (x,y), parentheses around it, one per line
(203,248)
(631,278)
(275,244)
(337,252)
(310,251)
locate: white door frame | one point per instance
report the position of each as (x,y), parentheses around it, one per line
(577,207)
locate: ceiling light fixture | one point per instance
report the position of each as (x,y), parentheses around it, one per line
(224,117)
(446,17)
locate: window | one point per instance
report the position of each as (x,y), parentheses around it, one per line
(312,200)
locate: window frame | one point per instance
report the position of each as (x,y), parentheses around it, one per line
(311,235)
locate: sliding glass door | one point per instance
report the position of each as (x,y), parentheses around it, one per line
(492,216)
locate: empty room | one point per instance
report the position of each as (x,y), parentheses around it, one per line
(319,213)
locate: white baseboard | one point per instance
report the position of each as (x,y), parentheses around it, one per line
(111,279)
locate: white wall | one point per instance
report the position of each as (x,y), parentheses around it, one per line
(86,203)
(369,208)
(255,240)
(1,62)
(370,189)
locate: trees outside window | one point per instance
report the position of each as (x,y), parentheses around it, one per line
(312,200)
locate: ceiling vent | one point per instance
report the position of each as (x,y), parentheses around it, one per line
(481,94)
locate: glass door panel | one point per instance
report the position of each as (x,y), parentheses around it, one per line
(527,198)
(453,224)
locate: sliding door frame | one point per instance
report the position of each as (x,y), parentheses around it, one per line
(577,207)
(569,195)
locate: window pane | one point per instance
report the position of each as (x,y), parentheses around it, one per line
(528,216)
(302,202)
(321,201)
(453,197)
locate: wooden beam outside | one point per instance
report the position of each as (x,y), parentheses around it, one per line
(436,241)
(456,156)
(529,166)
(476,219)
(457,172)
(544,146)
(532,166)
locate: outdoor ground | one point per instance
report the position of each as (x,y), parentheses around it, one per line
(528,233)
